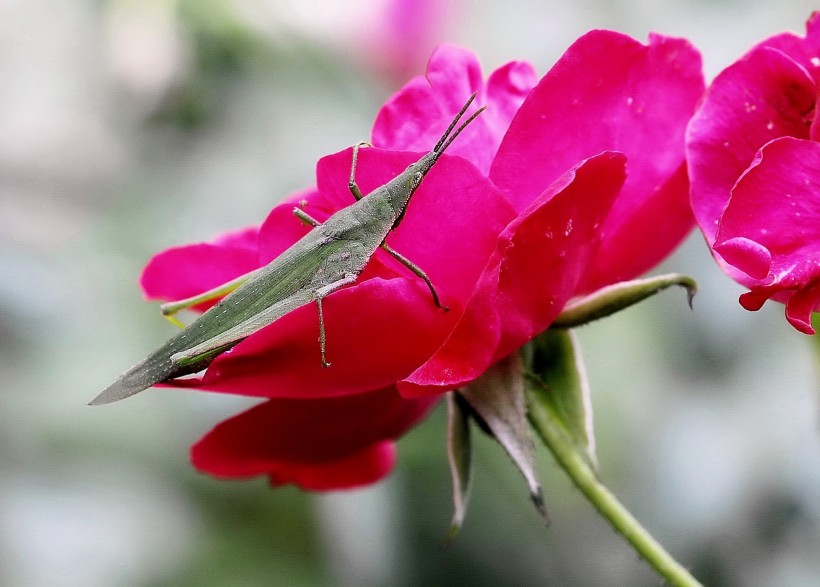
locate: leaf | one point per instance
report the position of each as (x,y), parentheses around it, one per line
(561,385)
(614,298)
(499,405)
(459,455)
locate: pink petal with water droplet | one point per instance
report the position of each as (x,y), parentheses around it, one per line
(774,213)
(610,92)
(535,269)
(764,96)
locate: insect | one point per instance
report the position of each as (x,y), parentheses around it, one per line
(329,257)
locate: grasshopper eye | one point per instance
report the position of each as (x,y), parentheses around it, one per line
(417,177)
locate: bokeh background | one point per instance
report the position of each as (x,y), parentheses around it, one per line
(127,126)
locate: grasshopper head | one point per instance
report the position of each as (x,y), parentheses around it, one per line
(419,169)
(409,181)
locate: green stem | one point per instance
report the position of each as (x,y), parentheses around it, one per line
(552,432)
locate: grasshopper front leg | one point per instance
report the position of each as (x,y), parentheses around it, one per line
(354,187)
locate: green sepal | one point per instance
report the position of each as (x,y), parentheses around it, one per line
(498,404)
(459,456)
(558,383)
(614,298)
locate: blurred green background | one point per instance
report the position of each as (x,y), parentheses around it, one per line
(130,126)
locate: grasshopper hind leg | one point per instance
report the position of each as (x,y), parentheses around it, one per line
(169,309)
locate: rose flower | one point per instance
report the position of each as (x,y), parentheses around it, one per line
(560,187)
(754,163)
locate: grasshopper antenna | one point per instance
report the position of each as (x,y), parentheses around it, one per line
(449,136)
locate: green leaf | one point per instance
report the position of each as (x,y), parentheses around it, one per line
(498,403)
(459,455)
(614,298)
(560,385)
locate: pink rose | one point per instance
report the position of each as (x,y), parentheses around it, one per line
(754,160)
(530,207)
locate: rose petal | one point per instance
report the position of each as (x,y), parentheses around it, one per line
(181,272)
(774,212)
(534,270)
(801,305)
(803,50)
(415,118)
(369,465)
(327,443)
(663,219)
(750,257)
(610,92)
(764,96)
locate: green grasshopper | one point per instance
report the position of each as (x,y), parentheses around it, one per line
(329,257)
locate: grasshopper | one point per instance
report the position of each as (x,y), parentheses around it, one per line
(329,257)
